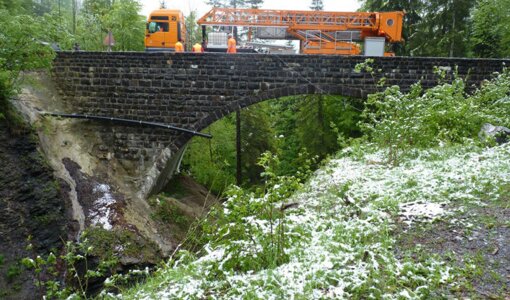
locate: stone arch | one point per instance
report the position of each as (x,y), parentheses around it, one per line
(246,101)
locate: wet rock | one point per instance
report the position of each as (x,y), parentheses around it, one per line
(499,133)
(32,203)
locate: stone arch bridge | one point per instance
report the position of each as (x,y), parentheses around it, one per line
(192,91)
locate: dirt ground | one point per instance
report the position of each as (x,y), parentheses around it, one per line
(475,240)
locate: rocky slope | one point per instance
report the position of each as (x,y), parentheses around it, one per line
(32,203)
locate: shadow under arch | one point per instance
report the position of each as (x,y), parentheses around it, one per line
(293,90)
(249,100)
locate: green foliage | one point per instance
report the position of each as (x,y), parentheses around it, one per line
(167,211)
(302,130)
(121,17)
(46,275)
(80,270)
(20,50)
(491,33)
(128,27)
(193,31)
(443,29)
(91,32)
(251,226)
(107,244)
(13,271)
(17,6)
(441,115)
(57,30)
(308,128)
(257,137)
(98,7)
(212,162)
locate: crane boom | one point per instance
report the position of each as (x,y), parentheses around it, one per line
(312,26)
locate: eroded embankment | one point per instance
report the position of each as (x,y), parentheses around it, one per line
(102,192)
(104,202)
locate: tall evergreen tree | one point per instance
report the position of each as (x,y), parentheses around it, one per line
(444,29)
(18,6)
(216,3)
(490,31)
(193,31)
(317,5)
(254,3)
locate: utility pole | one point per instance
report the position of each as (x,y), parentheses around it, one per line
(238,148)
(74,16)
(235,27)
(239,175)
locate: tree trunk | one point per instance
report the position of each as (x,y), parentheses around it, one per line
(74,17)
(320,118)
(452,41)
(238,148)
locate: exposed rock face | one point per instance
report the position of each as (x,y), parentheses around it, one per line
(103,189)
(32,203)
(499,133)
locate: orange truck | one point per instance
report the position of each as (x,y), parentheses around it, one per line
(164,28)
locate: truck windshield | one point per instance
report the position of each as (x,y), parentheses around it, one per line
(153,27)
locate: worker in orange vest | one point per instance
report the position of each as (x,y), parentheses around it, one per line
(198,48)
(231,48)
(179,47)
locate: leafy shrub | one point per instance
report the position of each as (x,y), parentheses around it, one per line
(20,50)
(249,230)
(169,212)
(441,115)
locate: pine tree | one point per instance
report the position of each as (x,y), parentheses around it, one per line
(490,31)
(317,5)
(216,3)
(254,3)
(193,31)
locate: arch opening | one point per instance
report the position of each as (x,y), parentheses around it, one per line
(302,129)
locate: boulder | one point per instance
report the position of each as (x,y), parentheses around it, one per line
(499,133)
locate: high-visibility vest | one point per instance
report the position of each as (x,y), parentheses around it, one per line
(231,48)
(197,48)
(179,47)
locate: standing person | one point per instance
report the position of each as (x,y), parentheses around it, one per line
(231,47)
(178,46)
(204,45)
(198,48)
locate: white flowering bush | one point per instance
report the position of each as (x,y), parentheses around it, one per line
(441,115)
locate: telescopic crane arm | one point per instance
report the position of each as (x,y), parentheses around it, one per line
(317,28)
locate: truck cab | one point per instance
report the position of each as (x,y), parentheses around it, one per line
(164,28)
